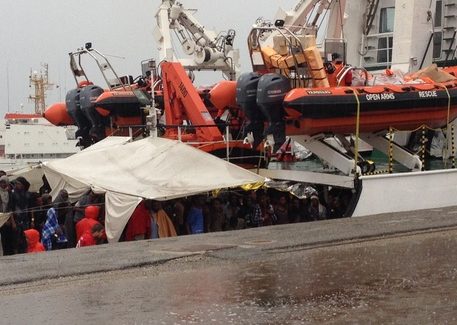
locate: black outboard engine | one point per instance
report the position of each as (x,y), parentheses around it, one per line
(246,97)
(88,96)
(271,90)
(74,110)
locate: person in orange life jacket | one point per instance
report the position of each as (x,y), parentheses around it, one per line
(33,241)
(334,68)
(90,198)
(92,237)
(90,219)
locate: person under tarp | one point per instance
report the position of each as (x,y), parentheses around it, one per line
(161,225)
(139,224)
(149,221)
(151,168)
(91,214)
(53,235)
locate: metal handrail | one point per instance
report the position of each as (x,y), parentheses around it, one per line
(179,137)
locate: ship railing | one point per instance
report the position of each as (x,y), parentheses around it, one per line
(133,131)
(136,131)
(348,68)
(226,138)
(104,65)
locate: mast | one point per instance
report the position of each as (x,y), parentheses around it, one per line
(40,83)
(8,84)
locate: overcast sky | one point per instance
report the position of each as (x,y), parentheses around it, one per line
(34,32)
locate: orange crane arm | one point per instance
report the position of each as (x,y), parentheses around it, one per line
(183,103)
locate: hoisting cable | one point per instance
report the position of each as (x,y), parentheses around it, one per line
(448,122)
(323,18)
(391,151)
(357,130)
(341,19)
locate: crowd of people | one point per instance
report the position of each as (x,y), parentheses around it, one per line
(38,222)
(235,210)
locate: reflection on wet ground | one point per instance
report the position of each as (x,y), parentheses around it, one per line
(405,280)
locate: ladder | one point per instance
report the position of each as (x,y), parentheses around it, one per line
(370,14)
(449,43)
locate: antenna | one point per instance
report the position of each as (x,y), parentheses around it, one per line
(8,84)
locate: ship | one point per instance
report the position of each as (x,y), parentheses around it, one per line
(27,138)
(299,90)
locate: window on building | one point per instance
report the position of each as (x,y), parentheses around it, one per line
(387,20)
(438,13)
(385,49)
(437,41)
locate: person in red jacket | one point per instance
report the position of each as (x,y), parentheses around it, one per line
(92,237)
(139,225)
(33,241)
(90,219)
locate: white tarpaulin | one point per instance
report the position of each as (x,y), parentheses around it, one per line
(108,142)
(33,174)
(152,168)
(4,218)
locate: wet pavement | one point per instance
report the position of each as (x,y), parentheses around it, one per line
(399,278)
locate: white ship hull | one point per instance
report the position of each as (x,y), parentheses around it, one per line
(28,139)
(407,192)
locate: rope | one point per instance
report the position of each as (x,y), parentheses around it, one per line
(379,172)
(417,129)
(391,151)
(448,120)
(453,146)
(423,147)
(44,208)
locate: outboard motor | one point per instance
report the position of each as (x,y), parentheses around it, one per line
(74,110)
(246,97)
(271,90)
(88,96)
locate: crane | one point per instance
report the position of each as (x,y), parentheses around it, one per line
(207,50)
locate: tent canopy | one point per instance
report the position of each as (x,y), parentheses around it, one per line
(152,168)
(32,173)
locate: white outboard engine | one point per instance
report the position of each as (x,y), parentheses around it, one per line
(271,90)
(87,98)
(246,97)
